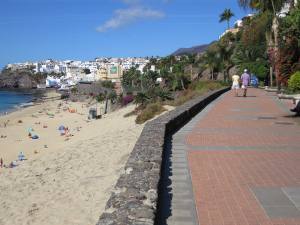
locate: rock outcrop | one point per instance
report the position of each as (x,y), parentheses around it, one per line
(20,79)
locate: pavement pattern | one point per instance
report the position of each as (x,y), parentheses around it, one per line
(237,163)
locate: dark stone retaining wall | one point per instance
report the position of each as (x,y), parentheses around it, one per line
(134,198)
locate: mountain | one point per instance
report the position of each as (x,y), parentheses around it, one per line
(192,50)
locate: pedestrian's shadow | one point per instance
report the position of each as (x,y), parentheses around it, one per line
(248,96)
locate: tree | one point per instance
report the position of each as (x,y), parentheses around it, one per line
(178,70)
(226,16)
(87,71)
(212,60)
(131,78)
(141,99)
(273,6)
(251,47)
(290,44)
(108,84)
(112,96)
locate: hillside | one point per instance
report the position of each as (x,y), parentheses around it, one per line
(192,50)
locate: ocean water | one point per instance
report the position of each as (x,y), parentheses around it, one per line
(11,100)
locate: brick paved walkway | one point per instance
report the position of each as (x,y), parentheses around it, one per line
(244,161)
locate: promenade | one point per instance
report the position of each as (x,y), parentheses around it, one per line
(236,163)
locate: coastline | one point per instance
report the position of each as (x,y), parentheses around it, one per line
(38,96)
(66,179)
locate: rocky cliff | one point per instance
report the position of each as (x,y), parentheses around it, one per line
(20,79)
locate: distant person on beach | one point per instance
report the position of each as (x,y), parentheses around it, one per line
(13,164)
(235,84)
(245,81)
(1,163)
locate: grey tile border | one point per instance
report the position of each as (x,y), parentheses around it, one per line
(293,194)
(177,205)
(275,202)
(282,212)
(272,196)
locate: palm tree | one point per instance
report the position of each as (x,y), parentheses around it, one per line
(225,51)
(226,15)
(263,5)
(212,61)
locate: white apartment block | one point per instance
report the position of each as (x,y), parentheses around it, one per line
(100,69)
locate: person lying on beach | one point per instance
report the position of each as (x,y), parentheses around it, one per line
(13,164)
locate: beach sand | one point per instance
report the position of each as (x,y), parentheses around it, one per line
(65,180)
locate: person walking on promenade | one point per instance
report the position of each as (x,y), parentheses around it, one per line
(235,84)
(245,81)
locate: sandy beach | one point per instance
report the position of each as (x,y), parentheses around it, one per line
(66,179)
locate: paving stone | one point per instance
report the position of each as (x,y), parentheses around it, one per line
(268,196)
(178,154)
(179,165)
(183,203)
(180,178)
(182,213)
(282,212)
(179,160)
(294,195)
(179,171)
(181,221)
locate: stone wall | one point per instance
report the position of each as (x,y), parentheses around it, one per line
(134,198)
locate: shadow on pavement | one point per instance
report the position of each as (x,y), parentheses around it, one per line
(165,190)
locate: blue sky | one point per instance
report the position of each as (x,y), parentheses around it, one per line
(85,29)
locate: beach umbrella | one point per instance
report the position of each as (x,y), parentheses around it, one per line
(61,127)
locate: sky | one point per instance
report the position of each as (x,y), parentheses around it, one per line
(33,30)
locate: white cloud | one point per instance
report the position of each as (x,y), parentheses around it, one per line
(130,15)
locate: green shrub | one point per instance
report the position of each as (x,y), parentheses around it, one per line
(74,90)
(100,97)
(184,96)
(203,86)
(149,112)
(112,96)
(108,84)
(196,89)
(294,82)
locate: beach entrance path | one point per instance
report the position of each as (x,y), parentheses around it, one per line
(236,163)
